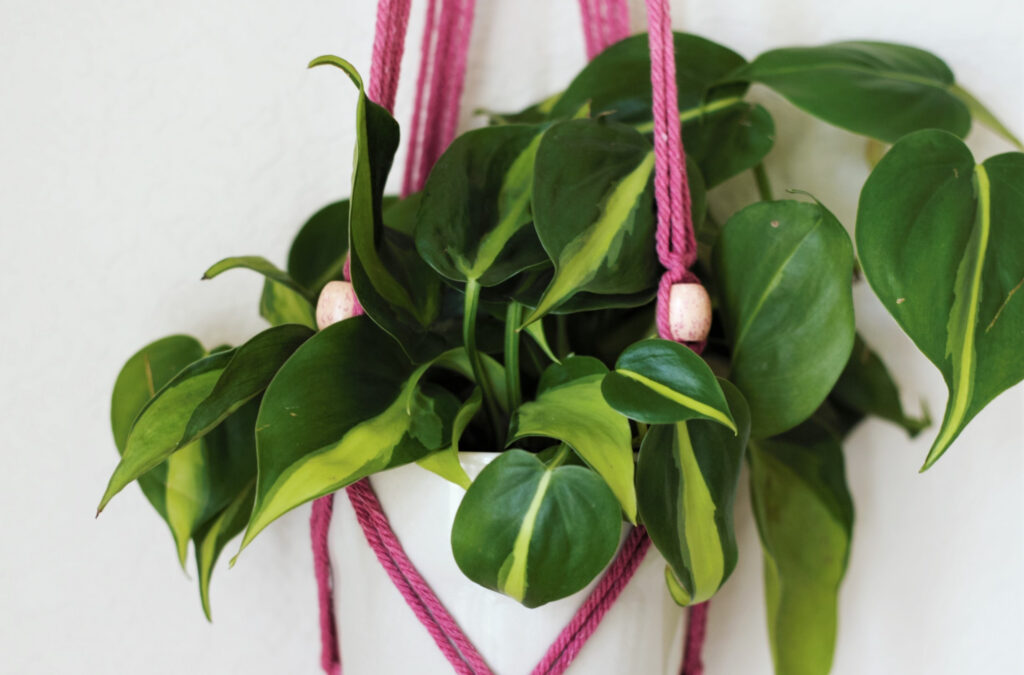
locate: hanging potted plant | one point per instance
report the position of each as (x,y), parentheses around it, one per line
(555,296)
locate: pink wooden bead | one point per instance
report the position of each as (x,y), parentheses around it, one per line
(689,312)
(337,302)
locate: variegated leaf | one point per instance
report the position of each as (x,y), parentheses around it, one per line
(941,240)
(686,482)
(283,299)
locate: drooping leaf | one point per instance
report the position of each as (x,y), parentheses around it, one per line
(663,382)
(877,89)
(145,373)
(475,221)
(320,248)
(783,272)
(805,518)
(618,80)
(686,482)
(982,114)
(445,463)
(570,408)
(533,532)
(247,374)
(342,407)
(160,426)
(593,210)
(940,241)
(215,534)
(283,299)
(866,388)
(396,288)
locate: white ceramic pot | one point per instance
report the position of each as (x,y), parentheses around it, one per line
(380,635)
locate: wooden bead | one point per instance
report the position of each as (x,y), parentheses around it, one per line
(689,312)
(337,302)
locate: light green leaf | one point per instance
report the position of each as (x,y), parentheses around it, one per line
(805,518)
(533,532)
(876,89)
(984,115)
(446,463)
(570,408)
(475,222)
(940,242)
(215,534)
(686,482)
(662,382)
(593,210)
(283,300)
(783,272)
(261,266)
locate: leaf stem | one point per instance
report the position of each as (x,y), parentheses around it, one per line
(513,317)
(764,186)
(476,363)
(562,336)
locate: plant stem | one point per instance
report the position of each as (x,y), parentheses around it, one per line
(476,363)
(764,186)
(562,337)
(513,317)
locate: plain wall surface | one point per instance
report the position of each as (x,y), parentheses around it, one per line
(142,141)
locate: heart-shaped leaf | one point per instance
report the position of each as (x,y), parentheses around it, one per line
(877,89)
(533,532)
(663,382)
(686,482)
(805,518)
(783,272)
(158,429)
(319,250)
(475,221)
(593,210)
(570,408)
(940,240)
(283,301)
(247,374)
(396,288)
(730,142)
(346,404)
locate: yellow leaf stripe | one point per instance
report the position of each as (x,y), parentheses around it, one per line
(707,559)
(680,398)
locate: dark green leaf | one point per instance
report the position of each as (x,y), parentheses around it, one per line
(940,242)
(260,266)
(984,115)
(686,482)
(805,518)
(730,142)
(533,532)
(783,272)
(320,248)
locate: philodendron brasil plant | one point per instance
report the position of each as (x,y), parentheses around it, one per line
(509,307)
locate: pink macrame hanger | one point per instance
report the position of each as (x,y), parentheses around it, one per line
(435,117)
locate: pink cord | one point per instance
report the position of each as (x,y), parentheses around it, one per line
(388,45)
(605,22)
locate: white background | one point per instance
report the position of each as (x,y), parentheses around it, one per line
(141,141)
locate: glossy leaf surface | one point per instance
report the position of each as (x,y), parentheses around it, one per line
(805,518)
(593,210)
(729,142)
(445,463)
(783,272)
(686,483)
(877,89)
(475,220)
(345,405)
(570,408)
(535,532)
(662,382)
(319,250)
(941,241)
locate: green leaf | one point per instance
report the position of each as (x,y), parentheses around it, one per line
(867,388)
(396,288)
(805,518)
(618,80)
(984,115)
(215,534)
(533,532)
(445,463)
(145,373)
(730,142)
(342,407)
(783,272)
(593,210)
(160,426)
(686,483)
(940,242)
(320,248)
(571,409)
(663,382)
(247,374)
(475,221)
(283,300)
(876,89)
(260,266)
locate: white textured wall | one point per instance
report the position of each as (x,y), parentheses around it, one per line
(141,141)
